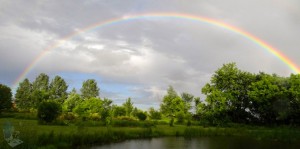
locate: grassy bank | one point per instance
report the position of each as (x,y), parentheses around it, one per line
(46,136)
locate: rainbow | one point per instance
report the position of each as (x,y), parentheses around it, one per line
(206,20)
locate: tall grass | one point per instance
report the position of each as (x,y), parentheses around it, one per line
(85,135)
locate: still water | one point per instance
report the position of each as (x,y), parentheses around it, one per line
(200,143)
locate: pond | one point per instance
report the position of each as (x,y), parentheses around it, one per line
(200,143)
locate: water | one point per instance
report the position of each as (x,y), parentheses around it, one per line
(200,143)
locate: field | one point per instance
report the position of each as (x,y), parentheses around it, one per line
(35,135)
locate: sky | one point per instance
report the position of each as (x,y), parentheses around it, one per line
(142,57)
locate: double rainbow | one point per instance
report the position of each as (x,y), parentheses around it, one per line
(181,16)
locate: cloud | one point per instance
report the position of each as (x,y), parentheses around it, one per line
(140,58)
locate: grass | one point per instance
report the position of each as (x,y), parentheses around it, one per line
(85,135)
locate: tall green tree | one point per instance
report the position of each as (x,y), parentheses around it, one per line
(128,105)
(171,105)
(41,83)
(89,89)
(58,89)
(71,102)
(228,91)
(5,98)
(154,114)
(118,111)
(40,89)
(264,93)
(23,95)
(188,99)
(294,96)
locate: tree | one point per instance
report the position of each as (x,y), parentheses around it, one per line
(154,114)
(58,89)
(197,102)
(89,89)
(41,83)
(40,89)
(23,95)
(106,109)
(49,111)
(142,116)
(118,111)
(228,91)
(5,97)
(71,102)
(171,104)
(89,106)
(128,105)
(187,98)
(265,93)
(294,96)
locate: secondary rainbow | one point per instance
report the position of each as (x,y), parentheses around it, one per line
(182,16)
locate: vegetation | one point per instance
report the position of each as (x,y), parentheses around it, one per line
(236,100)
(48,111)
(5,98)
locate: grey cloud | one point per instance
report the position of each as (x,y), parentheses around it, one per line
(146,55)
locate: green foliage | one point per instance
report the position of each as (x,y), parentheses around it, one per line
(154,114)
(118,111)
(171,104)
(227,95)
(89,89)
(128,105)
(91,105)
(5,98)
(23,95)
(72,101)
(58,89)
(141,115)
(48,111)
(41,83)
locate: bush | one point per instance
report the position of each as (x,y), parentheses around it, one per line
(180,117)
(48,111)
(141,116)
(94,116)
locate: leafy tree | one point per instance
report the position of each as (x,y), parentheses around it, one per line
(23,95)
(5,97)
(154,114)
(128,105)
(187,98)
(294,96)
(265,94)
(141,115)
(58,89)
(228,91)
(40,89)
(197,102)
(106,109)
(41,83)
(118,111)
(89,106)
(49,111)
(135,111)
(171,104)
(71,102)
(89,89)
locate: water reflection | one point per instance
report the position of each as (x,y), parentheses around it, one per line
(200,143)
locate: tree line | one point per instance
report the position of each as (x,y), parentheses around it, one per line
(232,96)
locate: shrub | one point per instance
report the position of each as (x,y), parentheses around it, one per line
(48,111)
(180,117)
(141,116)
(94,116)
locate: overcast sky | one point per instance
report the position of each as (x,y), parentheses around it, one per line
(141,58)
